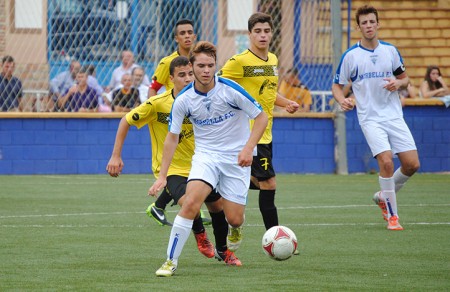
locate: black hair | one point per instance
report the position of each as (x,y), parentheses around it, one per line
(364,10)
(7,59)
(178,62)
(181,22)
(259,17)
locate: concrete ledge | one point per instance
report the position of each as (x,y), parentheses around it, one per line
(423,102)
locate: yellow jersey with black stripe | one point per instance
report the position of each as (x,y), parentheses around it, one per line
(155,113)
(162,72)
(259,78)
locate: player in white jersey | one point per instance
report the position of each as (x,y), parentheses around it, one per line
(219,110)
(376,71)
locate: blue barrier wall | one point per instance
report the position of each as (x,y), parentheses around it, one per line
(68,146)
(301,145)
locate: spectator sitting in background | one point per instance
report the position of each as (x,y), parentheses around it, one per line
(137,76)
(434,85)
(292,88)
(126,97)
(10,87)
(126,67)
(92,80)
(80,97)
(65,80)
(408,92)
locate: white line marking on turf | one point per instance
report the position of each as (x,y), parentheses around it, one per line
(64,215)
(247,209)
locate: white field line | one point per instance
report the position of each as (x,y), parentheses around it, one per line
(175,210)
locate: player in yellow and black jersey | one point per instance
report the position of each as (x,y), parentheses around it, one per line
(255,69)
(155,113)
(185,38)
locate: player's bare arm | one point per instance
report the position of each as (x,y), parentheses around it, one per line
(170,145)
(115,164)
(338,94)
(289,105)
(245,157)
(400,82)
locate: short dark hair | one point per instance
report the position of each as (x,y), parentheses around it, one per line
(205,48)
(7,59)
(90,69)
(177,62)
(181,22)
(364,10)
(259,17)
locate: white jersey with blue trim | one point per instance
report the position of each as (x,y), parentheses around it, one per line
(220,117)
(367,69)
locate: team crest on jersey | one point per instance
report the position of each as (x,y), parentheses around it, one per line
(207,103)
(275,71)
(374,58)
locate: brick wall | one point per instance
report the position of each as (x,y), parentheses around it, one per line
(301,145)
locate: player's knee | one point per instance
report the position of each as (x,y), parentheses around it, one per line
(270,184)
(386,164)
(411,167)
(235,221)
(189,204)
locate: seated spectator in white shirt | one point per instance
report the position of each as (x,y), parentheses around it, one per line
(126,67)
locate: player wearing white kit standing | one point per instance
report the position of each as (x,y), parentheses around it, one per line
(376,71)
(219,110)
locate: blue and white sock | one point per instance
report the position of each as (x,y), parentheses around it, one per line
(178,236)
(387,186)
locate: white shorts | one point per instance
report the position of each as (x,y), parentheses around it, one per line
(391,135)
(223,173)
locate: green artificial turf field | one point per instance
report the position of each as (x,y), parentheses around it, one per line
(91,233)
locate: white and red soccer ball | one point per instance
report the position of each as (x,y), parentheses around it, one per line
(279,243)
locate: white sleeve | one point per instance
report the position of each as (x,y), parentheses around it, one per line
(249,105)
(397,63)
(343,71)
(177,115)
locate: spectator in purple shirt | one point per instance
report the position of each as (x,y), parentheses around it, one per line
(80,97)
(10,87)
(61,83)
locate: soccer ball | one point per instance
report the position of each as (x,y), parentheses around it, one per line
(279,243)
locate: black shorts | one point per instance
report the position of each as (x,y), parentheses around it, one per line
(176,187)
(262,167)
